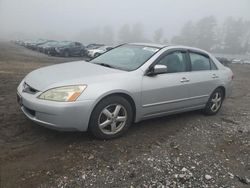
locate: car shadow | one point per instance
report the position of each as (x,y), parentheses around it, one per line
(161,126)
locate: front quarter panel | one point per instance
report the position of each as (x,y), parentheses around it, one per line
(128,83)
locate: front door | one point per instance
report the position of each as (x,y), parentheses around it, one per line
(168,92)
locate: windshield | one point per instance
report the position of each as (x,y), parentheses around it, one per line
(126,57)
(52,43)
(64,43)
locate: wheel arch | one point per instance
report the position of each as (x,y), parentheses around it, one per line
(207,110)
(123,94)
(223,89)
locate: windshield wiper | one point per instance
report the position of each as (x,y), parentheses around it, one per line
(105,65)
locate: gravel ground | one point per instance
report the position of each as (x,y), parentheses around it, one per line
(184,150)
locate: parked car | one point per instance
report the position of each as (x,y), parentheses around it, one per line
(238,61)
(98,51)
(43,47)
(68,48)
(224,60)
(19,42)
(51,48)
(26,43)
(33,44)
(130,83)
(94,46)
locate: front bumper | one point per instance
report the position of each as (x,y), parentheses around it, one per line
(90,54)
(67,116)
(51,51)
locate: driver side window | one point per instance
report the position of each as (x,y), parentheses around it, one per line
(175,62)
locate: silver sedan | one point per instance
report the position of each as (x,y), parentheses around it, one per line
(128,84)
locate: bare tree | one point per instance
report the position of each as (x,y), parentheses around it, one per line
(128,34)
(200,34)
(187,35)
(137,33)
(233,36)
(237,33)
(107,35)
(158,35)
(124,34)
(205,32)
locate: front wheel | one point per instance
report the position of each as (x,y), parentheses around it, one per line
(215,102)
(111,118)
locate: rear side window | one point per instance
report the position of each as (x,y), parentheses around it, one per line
(175,62)
(213,66)
(199,62)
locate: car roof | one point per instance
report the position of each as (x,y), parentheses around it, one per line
(168,46)
(150,45)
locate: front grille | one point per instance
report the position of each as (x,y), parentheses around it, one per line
(28,89)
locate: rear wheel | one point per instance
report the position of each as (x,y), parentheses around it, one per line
(215,102)
(111,118)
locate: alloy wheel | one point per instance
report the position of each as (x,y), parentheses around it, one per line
(216,102)
(112,119)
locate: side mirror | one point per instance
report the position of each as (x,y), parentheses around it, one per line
(157,69)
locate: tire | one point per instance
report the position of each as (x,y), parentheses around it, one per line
(111,117)
(66,53)
(215,102)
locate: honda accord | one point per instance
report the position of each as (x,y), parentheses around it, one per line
(127,84)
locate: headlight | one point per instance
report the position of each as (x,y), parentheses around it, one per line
(63,94)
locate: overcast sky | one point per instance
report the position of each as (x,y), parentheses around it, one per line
(67,18)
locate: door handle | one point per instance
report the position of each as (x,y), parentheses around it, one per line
(184,79)
(215,76)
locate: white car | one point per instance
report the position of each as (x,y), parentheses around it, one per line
(96,52)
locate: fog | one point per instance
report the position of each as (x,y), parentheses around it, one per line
(107,21)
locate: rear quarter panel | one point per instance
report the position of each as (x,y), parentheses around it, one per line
(225,75)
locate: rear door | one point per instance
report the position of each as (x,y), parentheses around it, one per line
(204,78)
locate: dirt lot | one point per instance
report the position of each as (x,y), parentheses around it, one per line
(185,150)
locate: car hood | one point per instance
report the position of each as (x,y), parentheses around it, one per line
(71,73)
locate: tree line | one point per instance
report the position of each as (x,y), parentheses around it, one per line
(230,36)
